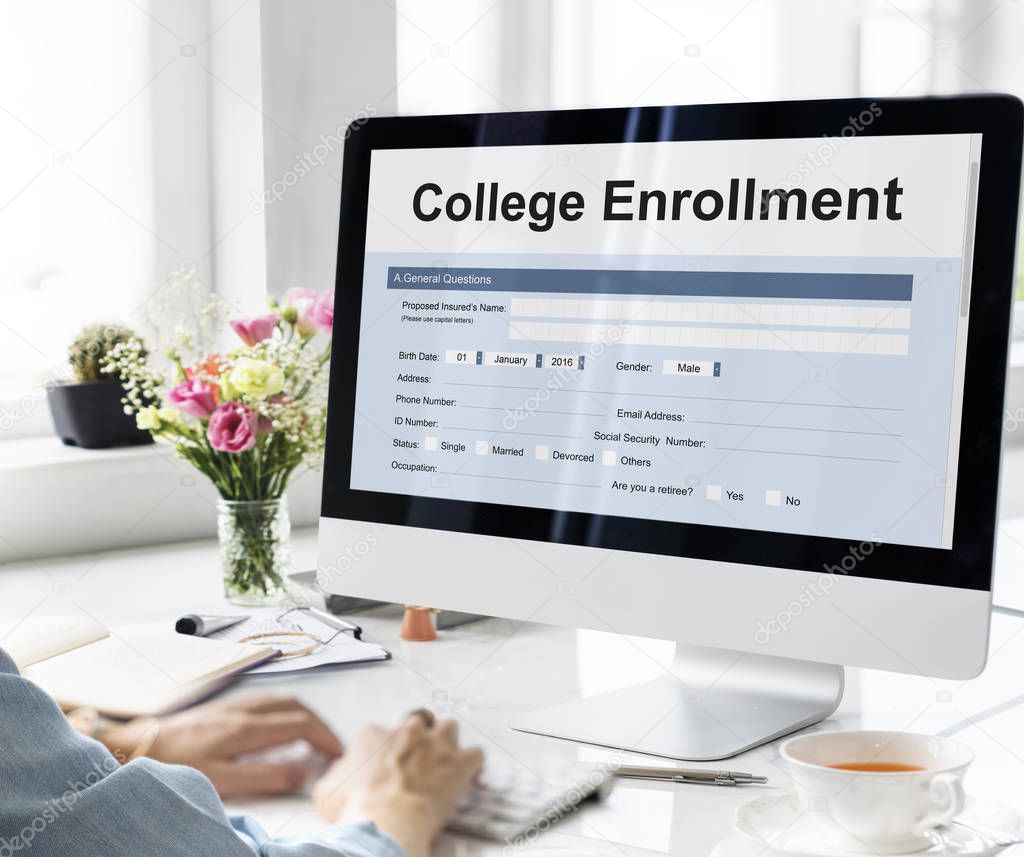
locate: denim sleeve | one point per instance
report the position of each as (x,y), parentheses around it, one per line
(358,839)
(63,793)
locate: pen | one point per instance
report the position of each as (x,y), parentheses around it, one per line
(685,775)
(336,622)
(198,625)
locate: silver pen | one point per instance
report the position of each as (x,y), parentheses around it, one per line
(688,775)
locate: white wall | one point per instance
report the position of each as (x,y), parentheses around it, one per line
(977,46)
(237,250)
(325,64)
(179,109)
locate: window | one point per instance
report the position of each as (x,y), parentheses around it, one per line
(76,192)
(104,189)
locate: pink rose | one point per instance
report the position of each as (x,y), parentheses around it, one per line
(253,330)
(194,397)
(232,428)
(322,311)
(302,300)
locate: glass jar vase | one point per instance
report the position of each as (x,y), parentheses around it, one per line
(255,549)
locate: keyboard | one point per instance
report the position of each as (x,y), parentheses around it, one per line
(511,798)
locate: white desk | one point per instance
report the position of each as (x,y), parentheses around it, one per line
(483,672)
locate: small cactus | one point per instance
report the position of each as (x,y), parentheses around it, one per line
(90,348)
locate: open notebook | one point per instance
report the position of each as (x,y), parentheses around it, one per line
(127,671)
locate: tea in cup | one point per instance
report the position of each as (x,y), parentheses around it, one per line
(885,791)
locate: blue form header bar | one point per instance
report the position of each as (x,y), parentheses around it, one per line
(733,284)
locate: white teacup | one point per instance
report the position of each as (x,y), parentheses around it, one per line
(883,812)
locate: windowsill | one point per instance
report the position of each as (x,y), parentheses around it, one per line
(23,453)
(60,499)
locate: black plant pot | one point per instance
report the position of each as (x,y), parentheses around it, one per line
(91,416)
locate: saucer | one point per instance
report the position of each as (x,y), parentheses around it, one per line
(779,823)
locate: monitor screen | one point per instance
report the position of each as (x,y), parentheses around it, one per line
(757,334)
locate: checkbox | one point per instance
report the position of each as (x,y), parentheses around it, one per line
(714,492)
(773,498)
(482,447)
(541,453)
(608,458)
(430,444)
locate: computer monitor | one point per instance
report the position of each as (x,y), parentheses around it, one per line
(729,375)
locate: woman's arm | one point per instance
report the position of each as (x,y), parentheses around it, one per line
(217,737)
(64,794)
(407,780)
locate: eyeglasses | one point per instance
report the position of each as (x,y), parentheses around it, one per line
(292,630)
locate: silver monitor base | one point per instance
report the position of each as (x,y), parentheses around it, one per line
(714,704)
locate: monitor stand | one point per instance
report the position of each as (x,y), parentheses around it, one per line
(711,704)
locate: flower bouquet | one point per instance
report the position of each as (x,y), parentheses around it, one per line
(247,417)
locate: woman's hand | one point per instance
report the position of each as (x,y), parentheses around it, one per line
(211,737)
(407,780)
